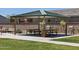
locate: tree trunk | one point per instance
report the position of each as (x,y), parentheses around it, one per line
(43,27)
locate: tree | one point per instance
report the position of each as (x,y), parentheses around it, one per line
(43,27)
(64,25)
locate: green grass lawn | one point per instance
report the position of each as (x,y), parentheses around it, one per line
(11,44)
(70,39)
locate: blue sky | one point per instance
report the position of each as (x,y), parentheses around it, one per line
(14,11)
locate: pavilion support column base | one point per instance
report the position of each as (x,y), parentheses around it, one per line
(14,33)
(43,34)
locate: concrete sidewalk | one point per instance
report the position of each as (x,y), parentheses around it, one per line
(39,39)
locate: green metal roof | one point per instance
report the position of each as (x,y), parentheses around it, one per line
(54,14)
(40,13)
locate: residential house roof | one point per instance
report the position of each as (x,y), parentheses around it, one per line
(67,12)
(3,19)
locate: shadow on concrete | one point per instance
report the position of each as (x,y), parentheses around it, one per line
(48,35)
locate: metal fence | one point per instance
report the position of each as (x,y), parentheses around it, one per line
(72,28)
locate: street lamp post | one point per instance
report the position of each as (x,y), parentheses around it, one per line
(66,29)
